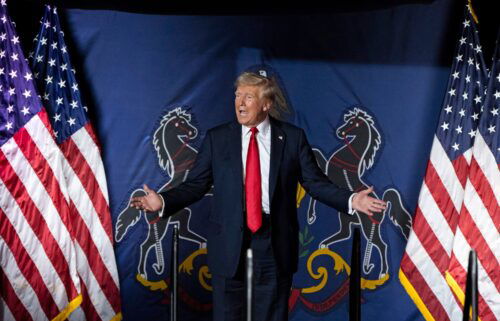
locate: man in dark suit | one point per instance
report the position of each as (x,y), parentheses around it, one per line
(254,165)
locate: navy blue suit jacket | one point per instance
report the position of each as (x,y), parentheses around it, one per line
(219,164)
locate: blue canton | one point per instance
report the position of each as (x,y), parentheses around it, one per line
(56,78)
(465,94)
(19,101)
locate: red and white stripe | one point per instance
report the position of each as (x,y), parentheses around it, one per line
(38,263)
(478,229)
(430,244)
(91,222)
(88,192)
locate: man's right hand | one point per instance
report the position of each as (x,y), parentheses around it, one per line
(151,202)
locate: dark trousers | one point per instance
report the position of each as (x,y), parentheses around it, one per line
(271,288)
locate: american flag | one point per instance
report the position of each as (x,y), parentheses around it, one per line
(83,170)
(38,274)
(428,251)
(479,223)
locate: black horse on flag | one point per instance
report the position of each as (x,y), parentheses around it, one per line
(345,167)
(175,156)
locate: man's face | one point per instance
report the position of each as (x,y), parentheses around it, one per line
(251,109)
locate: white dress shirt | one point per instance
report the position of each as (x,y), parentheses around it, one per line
(264,144)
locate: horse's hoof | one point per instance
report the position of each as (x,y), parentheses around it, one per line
(158,268)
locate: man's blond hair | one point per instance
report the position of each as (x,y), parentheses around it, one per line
(269,90)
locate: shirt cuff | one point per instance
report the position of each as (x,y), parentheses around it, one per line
(350,210)
(160,214)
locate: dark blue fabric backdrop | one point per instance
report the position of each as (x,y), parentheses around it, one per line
(383,62)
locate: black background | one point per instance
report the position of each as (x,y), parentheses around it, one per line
(23,11)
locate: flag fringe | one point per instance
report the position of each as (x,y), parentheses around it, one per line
(472,12)
(117,317)
(457,290)
(415,297)
(64,314)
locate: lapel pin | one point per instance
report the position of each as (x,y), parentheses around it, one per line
(280,137)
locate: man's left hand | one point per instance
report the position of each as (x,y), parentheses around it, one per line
(363,202)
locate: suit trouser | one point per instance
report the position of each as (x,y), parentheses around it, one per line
(271,288)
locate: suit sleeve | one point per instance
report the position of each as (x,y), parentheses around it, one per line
(316,183)
(197,183)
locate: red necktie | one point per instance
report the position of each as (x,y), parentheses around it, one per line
(253,189)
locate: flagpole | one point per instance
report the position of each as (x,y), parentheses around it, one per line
(355,279)
(174,274)
(471,289)
(249,278)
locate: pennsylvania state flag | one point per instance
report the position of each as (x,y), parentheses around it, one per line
(366,86)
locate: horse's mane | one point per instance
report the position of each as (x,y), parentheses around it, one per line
(158,138)
(368,157)
(176,112)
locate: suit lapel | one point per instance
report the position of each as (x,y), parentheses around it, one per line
(277,145)
(234,144)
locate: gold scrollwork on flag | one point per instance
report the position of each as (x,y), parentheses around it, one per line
(152,285)
(203,273)
(186,267)
(340,265)
(322,272)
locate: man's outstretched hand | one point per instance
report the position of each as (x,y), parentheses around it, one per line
(363,202)
(151,202)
